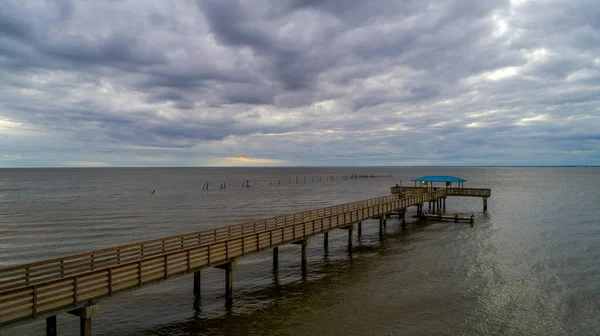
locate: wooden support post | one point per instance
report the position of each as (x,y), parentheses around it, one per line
(85,326)
(304,254)
(85,314)
(444,203)
(51,326)
(484,203)
(229,268)
(359,228)
(275,257)
(229,285)
(384,222)
(350,229)
(429,206)
(456,218)
(326,241)
(403,219)
(380,227)
(197,284)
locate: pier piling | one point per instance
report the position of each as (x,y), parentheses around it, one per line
(51,326)
(275,257)
(304,244)
(229,268)
(85,315)
(197,284)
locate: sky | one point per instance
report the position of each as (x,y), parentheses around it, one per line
(299,82)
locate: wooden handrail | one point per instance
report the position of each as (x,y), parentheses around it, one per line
(82,259)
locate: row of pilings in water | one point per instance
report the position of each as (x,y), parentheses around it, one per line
(305,179)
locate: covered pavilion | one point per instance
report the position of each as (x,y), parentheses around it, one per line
(427,181)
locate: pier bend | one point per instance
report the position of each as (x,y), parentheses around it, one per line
(45,288)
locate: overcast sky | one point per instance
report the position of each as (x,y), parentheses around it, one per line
(299,82)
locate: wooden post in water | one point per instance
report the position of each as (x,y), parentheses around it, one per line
(326,241)
(51,326)
(350,228)
(304,254)
(85,314)
(85,326)
(380,227)
(229,268)
(359,228)
(485,199)
(275,257)
(197,284)
(444,204)
(403,218)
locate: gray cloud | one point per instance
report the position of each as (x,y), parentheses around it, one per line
(300,81)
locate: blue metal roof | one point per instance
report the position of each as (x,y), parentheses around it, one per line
(439,179)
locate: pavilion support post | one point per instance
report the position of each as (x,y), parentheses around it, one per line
(380,227)
(429,209)
(197,282)
(275,257)
(51,326)
(359,228)
(444,204)
(326,241)
(485,205)
(434,202)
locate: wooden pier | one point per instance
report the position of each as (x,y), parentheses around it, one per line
(45,288)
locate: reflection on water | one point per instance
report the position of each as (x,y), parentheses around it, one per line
(528,266)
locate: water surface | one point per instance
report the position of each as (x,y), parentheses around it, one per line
(529,266)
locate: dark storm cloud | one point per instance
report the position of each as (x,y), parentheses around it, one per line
(465,81)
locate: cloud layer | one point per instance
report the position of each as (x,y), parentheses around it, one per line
(299,82)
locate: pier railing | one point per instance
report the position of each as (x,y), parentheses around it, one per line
(34,288)
(467,192)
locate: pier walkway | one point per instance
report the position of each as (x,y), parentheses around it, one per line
(48,287)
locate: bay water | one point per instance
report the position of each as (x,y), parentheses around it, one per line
(529,266)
